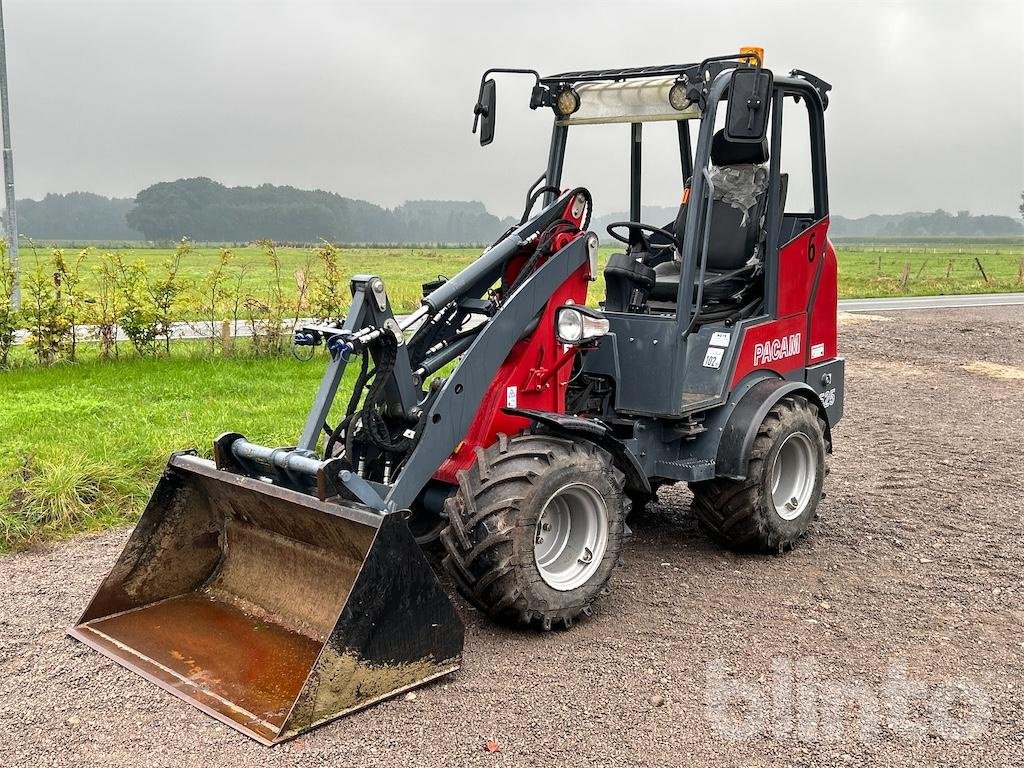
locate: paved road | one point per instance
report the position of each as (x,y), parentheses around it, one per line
(931,302)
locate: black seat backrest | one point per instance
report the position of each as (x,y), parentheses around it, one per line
(731,241)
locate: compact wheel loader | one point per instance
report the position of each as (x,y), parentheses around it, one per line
(277,588)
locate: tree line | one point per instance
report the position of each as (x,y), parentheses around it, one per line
(938,223)
(205,210)
(76,216)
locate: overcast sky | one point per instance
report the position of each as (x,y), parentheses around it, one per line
(374,99)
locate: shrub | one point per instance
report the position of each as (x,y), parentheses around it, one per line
(328,296)
(165,292)
(104,306)
(213,292)
(266,314)
(43,311)
(137,317)
(67,281)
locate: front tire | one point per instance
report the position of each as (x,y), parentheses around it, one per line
(535,529)
(773,507)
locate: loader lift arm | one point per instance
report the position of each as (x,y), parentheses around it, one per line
(434,421)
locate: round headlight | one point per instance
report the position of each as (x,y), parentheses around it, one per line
(568,101)
(677,97)
(570,325)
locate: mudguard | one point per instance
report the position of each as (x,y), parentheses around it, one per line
(595,432)
(740,430)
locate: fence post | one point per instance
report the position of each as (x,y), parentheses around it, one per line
(905,277)
(225,337)
(978,262)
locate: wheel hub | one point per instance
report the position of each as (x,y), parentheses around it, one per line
(571,536)
(793,476)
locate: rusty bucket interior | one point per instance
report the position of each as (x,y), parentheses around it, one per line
(270,609)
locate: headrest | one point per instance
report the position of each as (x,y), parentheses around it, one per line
(725,152)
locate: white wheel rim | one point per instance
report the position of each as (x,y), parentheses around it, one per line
(571,536)
(793,476)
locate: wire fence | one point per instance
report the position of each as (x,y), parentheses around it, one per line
(965,250)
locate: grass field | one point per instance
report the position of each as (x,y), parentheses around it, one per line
(81,445)
(865,269)
(932,268)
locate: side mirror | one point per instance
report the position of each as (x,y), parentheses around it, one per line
(483,112)
(746,119)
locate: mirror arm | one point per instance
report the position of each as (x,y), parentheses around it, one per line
(712,67)
(540,96)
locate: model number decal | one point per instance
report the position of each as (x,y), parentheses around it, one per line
(828,397)
(776,349)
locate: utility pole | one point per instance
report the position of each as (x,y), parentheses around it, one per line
(11,220)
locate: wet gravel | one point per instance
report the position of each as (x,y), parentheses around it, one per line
(892,636)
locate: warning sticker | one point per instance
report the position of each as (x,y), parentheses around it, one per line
(713,358)
(511,397)
(817,350)
(720,339)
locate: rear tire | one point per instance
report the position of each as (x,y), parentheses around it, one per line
(774,506)
(535,529)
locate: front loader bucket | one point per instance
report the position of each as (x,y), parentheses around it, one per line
(267,608)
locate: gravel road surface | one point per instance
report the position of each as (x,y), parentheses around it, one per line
(892,636)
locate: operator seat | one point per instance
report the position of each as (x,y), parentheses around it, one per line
(737,217)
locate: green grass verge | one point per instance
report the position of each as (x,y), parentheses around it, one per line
(82,445)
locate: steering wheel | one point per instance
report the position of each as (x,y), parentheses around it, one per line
(636,235)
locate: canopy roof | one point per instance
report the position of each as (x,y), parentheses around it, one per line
(627,101)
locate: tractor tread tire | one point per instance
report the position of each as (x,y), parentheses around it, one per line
(492,523)
(736,513)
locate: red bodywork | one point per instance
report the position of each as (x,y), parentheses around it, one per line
(538,368)
(805,331)
(534,375)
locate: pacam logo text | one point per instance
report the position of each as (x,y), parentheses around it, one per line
(776,349)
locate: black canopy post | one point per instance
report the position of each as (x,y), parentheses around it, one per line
(635,157)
